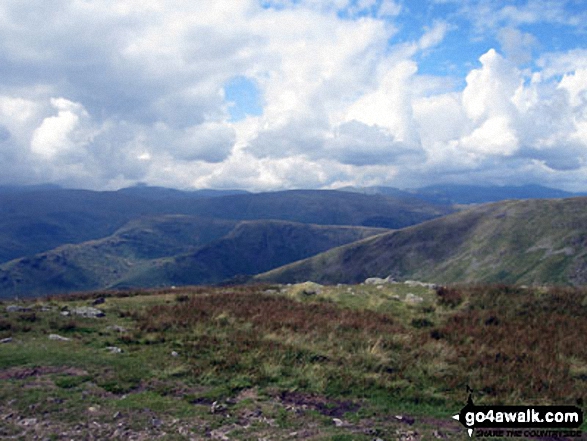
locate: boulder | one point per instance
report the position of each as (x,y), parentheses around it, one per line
(58,337)
(378,281)
(17,308)
(88,312)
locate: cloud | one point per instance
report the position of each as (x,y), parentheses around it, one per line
(60,132)
(106,94)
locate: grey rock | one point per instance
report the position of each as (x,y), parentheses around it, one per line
(6,340)
(17,308)
(88,312)
(99,301)
(58,337)
(338,422)
(65,313)
(378,281)
(114,349)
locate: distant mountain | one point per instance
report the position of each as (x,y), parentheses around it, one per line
(172,250)
(38,220)
(477,194)
(468,194)
(530,241)
(161,193)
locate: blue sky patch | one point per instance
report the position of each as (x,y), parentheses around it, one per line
(243,97)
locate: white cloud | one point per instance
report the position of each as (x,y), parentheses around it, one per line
(141,95)
(58,133)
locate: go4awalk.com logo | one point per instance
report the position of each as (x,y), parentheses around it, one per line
(520,421)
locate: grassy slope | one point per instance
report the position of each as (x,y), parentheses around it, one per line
(281,361)
(101,263)
(536,241)
(252,247)
(143,253)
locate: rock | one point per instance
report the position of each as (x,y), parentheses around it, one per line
(174,354)
(307,288)
(217,407)
(114,350)
(338,422)
(99,301)
(88,312)
(413,299)
(6,340)
(422,284)
(378,281)
(58,337)
(17,308)
(65,313)
(405,419)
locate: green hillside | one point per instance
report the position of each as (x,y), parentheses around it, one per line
(534,241)
(171,250)
(252,247)
(347,362)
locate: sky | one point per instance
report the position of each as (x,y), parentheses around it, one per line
(269,95)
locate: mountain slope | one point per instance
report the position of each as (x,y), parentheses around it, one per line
(171,250)
(40,219)
(252,247)
(533,241)
(467,194)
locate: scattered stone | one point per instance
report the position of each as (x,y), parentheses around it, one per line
(88,312)
(413,299)
(270,291)
(338,422)
(114,350)
(28,422)
(17,308)
(307,288)
(156,422)
(116,415)
(174,354)
(422,284)
(378,281)
(405,419)
(65,313)
(395,297)
(93,409)
(58,337)
(217,407)
(99,301)
(6,340)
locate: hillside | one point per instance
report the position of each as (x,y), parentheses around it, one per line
(171,250)
(43,218)
(533,241)
(252,247)
(248,363)
(468,194)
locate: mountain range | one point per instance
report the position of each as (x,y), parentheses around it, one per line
(61,240)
